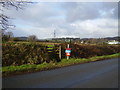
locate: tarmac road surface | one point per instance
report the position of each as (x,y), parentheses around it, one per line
(100,74)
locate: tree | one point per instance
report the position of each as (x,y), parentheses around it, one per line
(4,19)
(32,38)
(15,39)
(7,36)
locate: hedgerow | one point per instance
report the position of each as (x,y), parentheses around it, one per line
(34,53)
(87,51)
(26,53)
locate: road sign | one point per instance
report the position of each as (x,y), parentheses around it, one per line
(68,48)
(67,54)
(68,51)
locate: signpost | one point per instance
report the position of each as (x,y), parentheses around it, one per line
(68,51)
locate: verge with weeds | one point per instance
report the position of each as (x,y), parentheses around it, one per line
(25,68)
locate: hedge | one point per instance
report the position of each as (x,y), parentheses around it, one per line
(35,53)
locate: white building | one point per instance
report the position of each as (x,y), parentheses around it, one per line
(113,42)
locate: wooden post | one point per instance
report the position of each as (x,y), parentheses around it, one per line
(60,52)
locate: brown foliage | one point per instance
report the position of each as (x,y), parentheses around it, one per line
(33,53)
(86,51)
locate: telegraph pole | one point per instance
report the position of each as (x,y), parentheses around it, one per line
(54,33)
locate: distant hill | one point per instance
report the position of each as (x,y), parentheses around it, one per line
(22,38)
(113,38)
(117,38)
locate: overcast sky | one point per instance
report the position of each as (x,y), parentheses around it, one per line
(68,19)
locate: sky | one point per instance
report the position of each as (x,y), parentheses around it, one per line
(67,19)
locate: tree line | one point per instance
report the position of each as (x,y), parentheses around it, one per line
(8,36)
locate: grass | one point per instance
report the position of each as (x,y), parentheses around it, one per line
(10,70)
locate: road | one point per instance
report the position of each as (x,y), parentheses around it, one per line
(100,74)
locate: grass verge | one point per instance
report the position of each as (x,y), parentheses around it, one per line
(13,70)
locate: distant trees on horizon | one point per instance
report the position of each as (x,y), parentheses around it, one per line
(32,38)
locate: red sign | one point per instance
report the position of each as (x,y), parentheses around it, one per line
(67,54)
(68,48)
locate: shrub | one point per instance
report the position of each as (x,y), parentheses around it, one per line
(26,53)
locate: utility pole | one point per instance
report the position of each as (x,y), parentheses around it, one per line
(54,33)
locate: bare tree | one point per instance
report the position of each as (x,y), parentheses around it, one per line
(32,38)
(7,36)
(4,19)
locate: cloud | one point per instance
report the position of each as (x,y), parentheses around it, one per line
(41,14)
(90,10)
(96,28)
(73,19)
